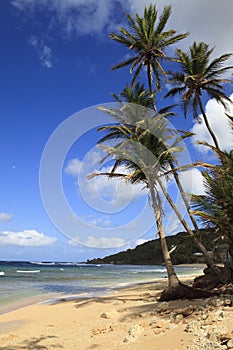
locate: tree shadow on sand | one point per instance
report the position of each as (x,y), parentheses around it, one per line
(33,344)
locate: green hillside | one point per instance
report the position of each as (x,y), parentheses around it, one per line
(150,252)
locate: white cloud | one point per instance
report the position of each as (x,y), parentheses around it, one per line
(44,52)
(73,167)
(100,222)
(74,17)
(104,242)
(26,238)
(192,181)
(4,217)
(140,241)
(220,125)
(108,193)
(206,21)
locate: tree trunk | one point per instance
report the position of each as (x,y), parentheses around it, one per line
(172,277)
(212,134)
(185,225)
(227,276)
(175,290)
(200,246)
(149,78)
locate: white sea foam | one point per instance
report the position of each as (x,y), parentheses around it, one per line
(28,271)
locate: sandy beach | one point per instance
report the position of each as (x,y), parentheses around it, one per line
(130,319)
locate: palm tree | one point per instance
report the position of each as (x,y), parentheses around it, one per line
(149,42)
(140,96)
(136,94)
(145,157)
(214,208)
(200,75)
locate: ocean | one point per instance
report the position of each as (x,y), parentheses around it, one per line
(22,283)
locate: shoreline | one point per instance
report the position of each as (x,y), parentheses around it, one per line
(128,318)
(55,298)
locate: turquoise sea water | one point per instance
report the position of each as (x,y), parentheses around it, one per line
(20,281)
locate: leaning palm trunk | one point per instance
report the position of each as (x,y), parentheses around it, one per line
(201,247)
(207,124)
(185,225)
(172,277)
(175,290)
(227,276)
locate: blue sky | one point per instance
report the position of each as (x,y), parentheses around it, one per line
(55,63)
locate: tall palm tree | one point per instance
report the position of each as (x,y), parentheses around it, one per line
(149,41)
(140,96)
(200,75)
(145,157)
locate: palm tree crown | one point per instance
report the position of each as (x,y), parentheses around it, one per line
(148,41)
(199,74)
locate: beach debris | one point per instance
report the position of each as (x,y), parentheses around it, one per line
(221,300)
(146,313)
(133,333)
(163,306)
(102,330)
(207,335)
(109,314)
(230,344)
(154,320)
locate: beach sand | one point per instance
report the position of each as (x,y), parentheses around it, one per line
(129,319)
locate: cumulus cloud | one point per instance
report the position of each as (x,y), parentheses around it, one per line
(105,242)
(100,222)
(206,21)
(26,238)
(43,51)
(73,167)
(108,192)
(140,241)
(192,181)
(4,217)
(220,125)
(74,17)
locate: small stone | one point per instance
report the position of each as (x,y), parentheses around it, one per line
(230,344)
(178,318)
(109,314)
(154,320)
(163,306)
(204,317)
(219,315)
(133,333)
(192,326)
(227,302)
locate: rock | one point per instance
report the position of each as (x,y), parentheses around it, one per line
(178,318)
(230,344)
(227,302)
(204,316)
(133,333)
(219,314)
(163,306)
(193,326)
(109,314)
(102,330)
(154,320)
(145,314)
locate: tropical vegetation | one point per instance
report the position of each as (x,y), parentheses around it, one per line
(199,75)
(214,208)
(141,137)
